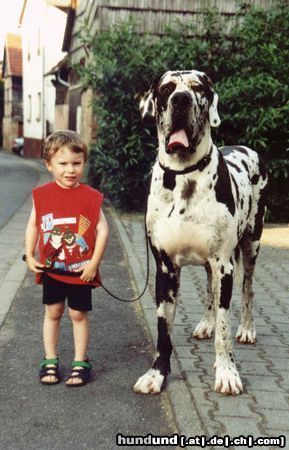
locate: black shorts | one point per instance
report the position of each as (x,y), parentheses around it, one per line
(55,291)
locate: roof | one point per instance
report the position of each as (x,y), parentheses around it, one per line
(13,55)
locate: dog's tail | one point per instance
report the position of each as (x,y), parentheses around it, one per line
(237,259)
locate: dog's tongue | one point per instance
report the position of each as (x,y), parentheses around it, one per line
(178,138)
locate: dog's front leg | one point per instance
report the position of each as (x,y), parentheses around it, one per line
(167,287)
(227,377)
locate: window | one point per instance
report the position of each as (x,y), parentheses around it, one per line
(39,42)
(38,107)
(28,48)
(29,108)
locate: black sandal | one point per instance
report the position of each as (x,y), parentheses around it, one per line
(46,371)
(83,373)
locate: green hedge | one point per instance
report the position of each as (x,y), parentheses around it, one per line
(249,69)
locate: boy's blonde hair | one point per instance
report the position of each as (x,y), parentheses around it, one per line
(67,138)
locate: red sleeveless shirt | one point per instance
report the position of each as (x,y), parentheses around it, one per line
(66,220)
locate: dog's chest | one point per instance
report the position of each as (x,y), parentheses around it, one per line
(186,222)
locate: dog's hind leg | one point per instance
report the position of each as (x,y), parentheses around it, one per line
(246,333)
(206,326)
(250,244)
(167,287)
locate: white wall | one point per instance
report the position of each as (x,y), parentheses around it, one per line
(43,29)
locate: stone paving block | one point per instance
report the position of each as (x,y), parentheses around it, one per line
(280,318)
(276,352)
(284,329)
(184,352)
(284,376)
(190,364)
(182,340)
(275,418)
(236,426)
(266,400)
(248,352)
(194,380)
(254,368)
(235,406)
(268,383)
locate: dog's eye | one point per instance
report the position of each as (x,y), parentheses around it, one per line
(198,88)
(167,89)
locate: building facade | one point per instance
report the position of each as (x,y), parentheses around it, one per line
(12,122)
(43,26)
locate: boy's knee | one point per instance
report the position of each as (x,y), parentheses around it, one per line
(55,312)
(77,316)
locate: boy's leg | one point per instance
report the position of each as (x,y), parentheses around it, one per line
(52,318)
(80,326)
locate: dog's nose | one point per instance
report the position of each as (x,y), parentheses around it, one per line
(181,99)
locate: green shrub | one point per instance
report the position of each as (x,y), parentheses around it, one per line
(248,68)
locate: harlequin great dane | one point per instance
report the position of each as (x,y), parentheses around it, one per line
(206,207)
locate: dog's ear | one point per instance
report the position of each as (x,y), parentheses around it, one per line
(147,104)
(147,108)
(212,98)
(213,112)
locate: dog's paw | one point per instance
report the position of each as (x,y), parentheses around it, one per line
(228,380)
(204,329)
(246,335)
(150,383)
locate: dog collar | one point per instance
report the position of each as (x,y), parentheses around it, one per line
(199,166)
(169,180)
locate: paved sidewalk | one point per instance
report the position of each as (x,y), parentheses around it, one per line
(263,408)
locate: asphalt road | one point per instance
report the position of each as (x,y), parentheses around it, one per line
(16,182)
(34,416)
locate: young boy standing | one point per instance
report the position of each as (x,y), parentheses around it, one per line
(68,224)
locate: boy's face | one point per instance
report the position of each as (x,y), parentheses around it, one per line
(67,167)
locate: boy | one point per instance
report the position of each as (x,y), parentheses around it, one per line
(68,223)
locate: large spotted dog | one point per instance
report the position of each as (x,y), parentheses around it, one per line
(206,207)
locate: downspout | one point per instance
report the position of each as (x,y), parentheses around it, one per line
(60,80)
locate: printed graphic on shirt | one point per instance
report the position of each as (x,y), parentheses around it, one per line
(64,248)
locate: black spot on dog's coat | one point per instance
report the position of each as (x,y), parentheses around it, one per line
(226,291)
(236,189)
(233,165)
(169,180)
(188,190)
(223,186)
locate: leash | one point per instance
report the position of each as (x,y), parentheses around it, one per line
(77,274)
(147,276)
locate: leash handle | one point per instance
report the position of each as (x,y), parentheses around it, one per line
(67,273)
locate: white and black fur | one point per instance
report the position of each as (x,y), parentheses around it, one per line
(206,207)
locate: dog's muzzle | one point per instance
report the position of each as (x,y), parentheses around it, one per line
(178,140)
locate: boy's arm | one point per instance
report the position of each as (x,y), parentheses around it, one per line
(90,270)
(31,239)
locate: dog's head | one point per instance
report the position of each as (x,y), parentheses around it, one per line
(183,105)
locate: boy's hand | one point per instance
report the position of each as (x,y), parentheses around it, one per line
(88,272)
(34,265)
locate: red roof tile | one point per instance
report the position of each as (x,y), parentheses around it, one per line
(14,54)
